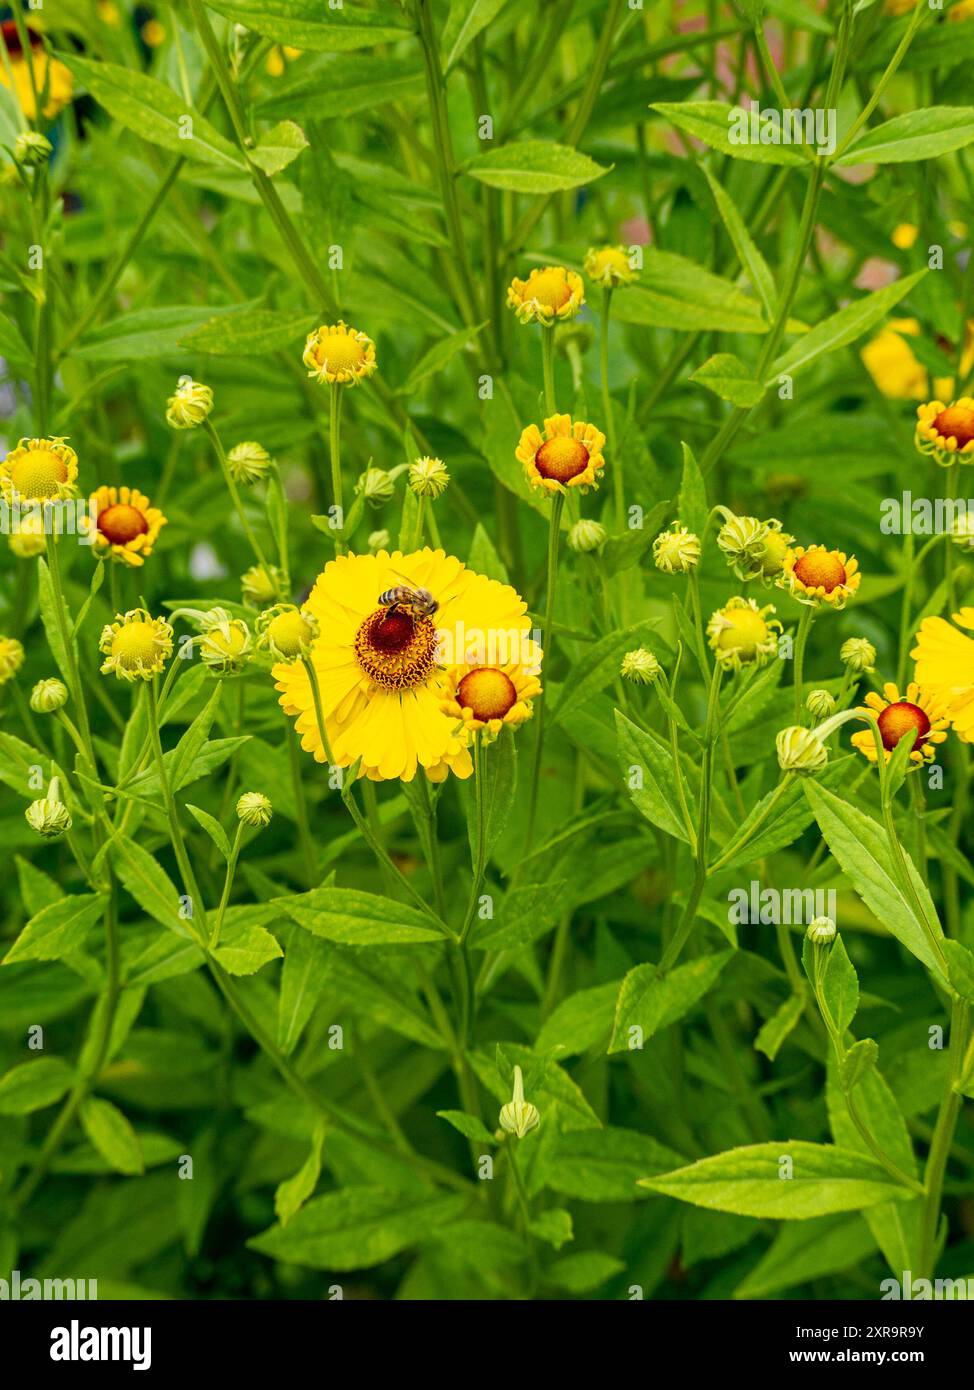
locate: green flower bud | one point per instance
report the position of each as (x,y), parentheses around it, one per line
(248,462)
(190,405)
(800,751)
(49,816)
(519,1116)
(48,695)
(640,666)
(32,149)
(820,704)
(254,808)
(858,654)
(429,477)
(586,536)
(821,931)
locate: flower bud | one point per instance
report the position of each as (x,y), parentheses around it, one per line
(586,536)
(261,586)
(820,704)
(32,149)
(28,539)
(821,931)
(49,816)
(609,267)
(225,644)
(800,751)
(379,540)
(286,631)
(48,695)
(429,477)
(519,1116)
(676,551)
(248,462)
(376,486)
(640,666)
(742,541)
(858,654)
(254,808)
(190,405)
(962,531)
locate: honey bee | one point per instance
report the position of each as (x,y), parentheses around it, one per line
(408,597)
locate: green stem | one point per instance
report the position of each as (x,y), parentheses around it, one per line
(554,528)
(227,886)
(801,640)
(335,457)
(548,366)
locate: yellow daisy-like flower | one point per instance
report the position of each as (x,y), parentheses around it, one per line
(899,714)
(380,665)
(127,525)
(286,631)
(39,470)
(488,697)
(818,575)
(48,72)
(609,267)
(568,454)
(28,539)
(11,658)
(946,432)
(136,646)
(549,295)
(945,668)
(339,354)
(742,634)
(225,644)
(676,550)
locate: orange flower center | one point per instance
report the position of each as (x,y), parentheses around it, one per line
(487,693)
(561,458)
(37,473)
(821,569)
(395,649)
(339,353)
(122,523)
(550,288)
(898,719)
(957,422)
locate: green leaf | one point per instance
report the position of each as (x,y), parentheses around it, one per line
(467,19)
(960,967)
(603,1165)
(13,349)
(928,133)
(753,263)
(468,1125)
(149,884)
(357,1227)
(651,1001)
(34,1085)
(752,1181)
(59,929)
(840,987)
(580,1021)
(498,771)
(111,1134)
(53,629)
(314,25)
(714,121)
(248,332)
(247,950)
(858,1061)
(776,1030)
(279,147)
(599,666)
(674,292)
(438,357)
(212,827)
(304,976)
(843,327)
(730,379)
(344,84)
(861,849)
(292,1194)
(692,502)
(533,166)
(354,918)
(645,758)
(149,333)
(809,1250)
(154,112)
(582,1272)
(37,889)
(553,1226)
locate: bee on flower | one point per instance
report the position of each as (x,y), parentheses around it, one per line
(743,634)
(135,646)
(127,526)
(817,575)
(609,267)
(550,294)
(916,712)
(566,454)
(945,433)
(339,355)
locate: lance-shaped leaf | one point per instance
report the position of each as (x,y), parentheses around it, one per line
(650,776)
(843,327)
(650,1001)
(354,918)
(533,166)
(924,134)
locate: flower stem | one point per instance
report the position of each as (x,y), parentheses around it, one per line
(238,504)
(548,366)
(618,487)
(554,529)
(801,640)
(335,456)
(227,886)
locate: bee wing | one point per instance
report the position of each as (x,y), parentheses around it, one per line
(410,583)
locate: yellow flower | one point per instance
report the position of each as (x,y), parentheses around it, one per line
(339,354)
(225,644)
(48,72)
(609,267)
(190,404)
(127,525)
(904,236)
(39,470)
(286,631)
(567,454)
(549,294)
(676,550)
(817,575)
(11,658)
(488,697)
(963,10)
(742,634)
(28,539)
(136,646)
(753,548)
(153,33)
(898,715)
(946,432)
(945,668)
(380,667)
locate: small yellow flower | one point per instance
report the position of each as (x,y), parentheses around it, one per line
(859,654)
(136,646)
(248,462)
(963,10)
(339,354)
(28,539)
(904,235)
(261,586)
(640,666)
(568,454)
(549,295)
(753,549)
(742,634)
(153,33)
(897,715)
(429,477)
(609,267)
(255,809)
(895,367)
(816,575)
(946,432)
(127,525)
(190,404)
(39,470)
(676,550)
(49,72)
(945,668)
(488,697)
(11,658)
(286,632)
(225,643)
